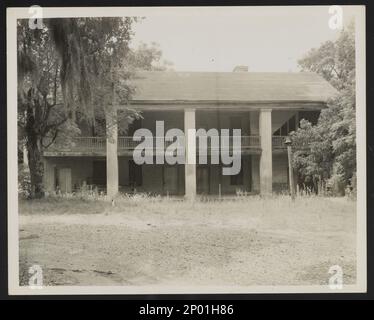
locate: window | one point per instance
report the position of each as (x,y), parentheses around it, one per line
(135,174)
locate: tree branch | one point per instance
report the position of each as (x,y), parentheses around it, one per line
(54,125)
(55,87)
(53,139)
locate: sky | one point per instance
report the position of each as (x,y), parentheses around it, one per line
(266,39)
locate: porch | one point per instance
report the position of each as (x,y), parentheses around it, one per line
(69,174)
(264,159)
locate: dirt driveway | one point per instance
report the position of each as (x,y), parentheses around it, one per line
(245,242)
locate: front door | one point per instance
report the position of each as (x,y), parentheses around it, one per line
(64,178)
(170,182)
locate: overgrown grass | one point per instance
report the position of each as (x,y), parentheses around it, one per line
(256,206)
(152,240)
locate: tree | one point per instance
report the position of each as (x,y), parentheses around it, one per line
(148,58)
(38,89)
(57,68)
(332,141)
(334,61)
(74,71)
(313,152)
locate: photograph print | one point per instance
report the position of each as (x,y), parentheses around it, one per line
(186,150)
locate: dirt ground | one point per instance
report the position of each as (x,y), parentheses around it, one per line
(251,241)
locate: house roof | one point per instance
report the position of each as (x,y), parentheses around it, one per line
(230,87)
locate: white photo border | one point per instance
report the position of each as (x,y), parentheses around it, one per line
(13,219)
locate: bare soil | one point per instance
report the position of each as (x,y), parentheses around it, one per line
(251,241)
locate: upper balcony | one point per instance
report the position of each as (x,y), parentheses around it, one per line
(96,146)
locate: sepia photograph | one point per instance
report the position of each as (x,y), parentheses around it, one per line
(186,150)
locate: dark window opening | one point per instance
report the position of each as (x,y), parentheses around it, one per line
(99,173)
(56,182)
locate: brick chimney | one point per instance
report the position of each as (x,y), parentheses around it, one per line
(240,69)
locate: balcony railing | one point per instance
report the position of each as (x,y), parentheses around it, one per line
(127,143)
(278,142)
(89,143)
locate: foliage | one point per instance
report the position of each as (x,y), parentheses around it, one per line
(332,141)
(148,58)
(38,80)
(95,73)
(72,73)
(24,182)
(313,154)
(39,115)
(333,60)
(58,66)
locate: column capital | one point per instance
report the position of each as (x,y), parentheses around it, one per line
(266,110)
(192,109)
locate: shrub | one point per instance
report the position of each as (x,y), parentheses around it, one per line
(337,184)
(24,182)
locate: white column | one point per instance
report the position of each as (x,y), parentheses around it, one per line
(25,156)
(190,165)
(266,170)
(111,152)
(49,176)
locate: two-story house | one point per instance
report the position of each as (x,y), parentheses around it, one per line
(265,106)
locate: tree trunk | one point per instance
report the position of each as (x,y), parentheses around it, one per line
(36,172)
(34,150)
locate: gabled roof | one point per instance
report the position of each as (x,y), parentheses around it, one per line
(230,87)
